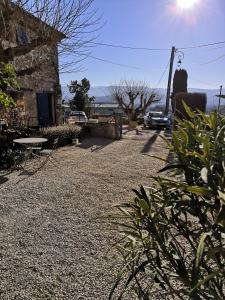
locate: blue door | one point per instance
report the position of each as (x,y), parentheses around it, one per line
(44,108)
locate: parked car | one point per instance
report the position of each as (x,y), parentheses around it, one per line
(157,119)
(77,117)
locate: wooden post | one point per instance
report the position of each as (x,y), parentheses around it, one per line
(221,87)
(169,80)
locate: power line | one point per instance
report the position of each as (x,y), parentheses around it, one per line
(156,49)
(113,63)
(213,60)
(209,62)
(163,74)
(130,47)
(107,61)
(207,49)
(214,85)
(202,45)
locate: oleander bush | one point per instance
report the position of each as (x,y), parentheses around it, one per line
(65,133)
(173,238)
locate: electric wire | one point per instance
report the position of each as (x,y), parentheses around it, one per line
(202,45)
(156,49)
(107,61)
(212,61)
(163,74)
(130,47)
(208,62)
(207,84)
(114,63)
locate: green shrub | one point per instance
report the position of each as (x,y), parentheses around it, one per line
(173,237)
(9,158)
(7,80)
(65,133)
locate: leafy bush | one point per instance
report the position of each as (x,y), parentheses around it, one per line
(65,133)
(10,158)
(173,237)
(7,80)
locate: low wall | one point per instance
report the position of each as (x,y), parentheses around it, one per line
(106,130)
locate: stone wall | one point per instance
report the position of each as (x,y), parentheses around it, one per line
(43,63)
(106,130)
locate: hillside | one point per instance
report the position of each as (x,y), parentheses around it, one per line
(102,95)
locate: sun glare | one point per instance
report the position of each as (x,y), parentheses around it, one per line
(185,4)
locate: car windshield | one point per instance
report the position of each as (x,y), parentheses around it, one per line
(77,114)
(156,114)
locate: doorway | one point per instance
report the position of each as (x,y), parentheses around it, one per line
(45,109)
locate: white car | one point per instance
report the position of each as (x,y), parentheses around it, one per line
(77,117)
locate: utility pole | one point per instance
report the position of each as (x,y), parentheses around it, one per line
(169,80)
(221,87)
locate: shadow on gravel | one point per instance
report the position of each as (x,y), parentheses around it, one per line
(27,174)
(95,144)
(3,179)
(147,147)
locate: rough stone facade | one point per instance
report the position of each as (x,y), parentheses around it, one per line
(39,98)
(45,80)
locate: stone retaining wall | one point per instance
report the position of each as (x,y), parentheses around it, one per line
(107,130)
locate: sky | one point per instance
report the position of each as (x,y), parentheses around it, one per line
(157,24)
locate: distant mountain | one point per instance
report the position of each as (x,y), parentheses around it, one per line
(102,95)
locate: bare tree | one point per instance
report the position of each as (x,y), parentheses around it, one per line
(134,97)
(70,24)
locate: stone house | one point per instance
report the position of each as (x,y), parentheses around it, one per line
(39,96)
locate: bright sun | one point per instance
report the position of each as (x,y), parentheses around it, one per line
(185,4)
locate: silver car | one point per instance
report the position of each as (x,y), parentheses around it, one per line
(157,119)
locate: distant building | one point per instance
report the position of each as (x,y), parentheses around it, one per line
(106,109)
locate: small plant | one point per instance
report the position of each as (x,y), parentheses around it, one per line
(173,237)
(65,133)
(7,80)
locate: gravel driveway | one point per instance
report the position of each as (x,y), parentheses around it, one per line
(52,243)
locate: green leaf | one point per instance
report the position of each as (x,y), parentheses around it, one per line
(198,190)
(200,251)
(221,196)
(220,220)
(188,110)
(206,145)
(144,205)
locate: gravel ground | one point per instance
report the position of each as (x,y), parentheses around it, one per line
(52,243)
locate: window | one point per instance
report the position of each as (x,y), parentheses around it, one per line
(21,36)
(156,114)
